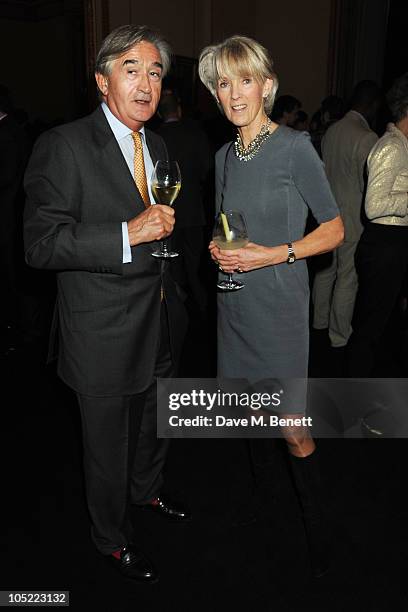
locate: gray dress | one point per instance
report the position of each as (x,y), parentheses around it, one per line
(263,329)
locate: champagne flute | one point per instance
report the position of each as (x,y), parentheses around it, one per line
(166,183)
(230,233)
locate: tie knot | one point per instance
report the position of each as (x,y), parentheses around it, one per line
(137,139)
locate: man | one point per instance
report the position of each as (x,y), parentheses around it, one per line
(330,111)
(88,216)
(285,110)
(345,148)
(188,144)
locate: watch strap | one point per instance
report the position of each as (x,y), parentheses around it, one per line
(291,254)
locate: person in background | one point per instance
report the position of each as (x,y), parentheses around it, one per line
(345,148)
(330,111)
(301,122)
(382,253)
(121,322)
(273,175)
(285,110)
(188,144)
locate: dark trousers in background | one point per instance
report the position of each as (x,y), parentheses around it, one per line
(189,242)
(123,459)
(382,266)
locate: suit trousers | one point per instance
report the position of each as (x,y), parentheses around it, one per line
(123,459)
(333,295)
(382,266)
(189,242)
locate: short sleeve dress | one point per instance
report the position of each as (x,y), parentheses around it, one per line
(263,329)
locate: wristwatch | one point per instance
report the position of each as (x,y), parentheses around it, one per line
(291,254)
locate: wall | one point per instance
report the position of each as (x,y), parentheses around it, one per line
(298,39)
(42,53)
(296,34)
(38,68)
(175,19)
(37,54)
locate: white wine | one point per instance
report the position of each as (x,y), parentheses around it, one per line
(165,195)
(230,245)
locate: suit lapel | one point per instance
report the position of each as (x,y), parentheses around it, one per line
(112,158)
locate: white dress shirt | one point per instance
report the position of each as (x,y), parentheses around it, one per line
(123,136)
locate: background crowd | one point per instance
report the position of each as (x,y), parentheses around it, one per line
(353,128)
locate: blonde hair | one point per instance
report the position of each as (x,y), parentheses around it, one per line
(237,56)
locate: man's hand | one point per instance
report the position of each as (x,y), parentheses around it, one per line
(154,223)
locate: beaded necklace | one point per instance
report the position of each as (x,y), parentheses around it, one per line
(247,153)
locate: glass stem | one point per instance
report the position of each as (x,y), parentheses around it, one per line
(164,246)
(230,279)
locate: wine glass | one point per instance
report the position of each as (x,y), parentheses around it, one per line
(165,184)
(230,233)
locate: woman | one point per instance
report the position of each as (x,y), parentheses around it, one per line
(273,175)
(382,253)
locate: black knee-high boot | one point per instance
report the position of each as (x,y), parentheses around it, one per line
(308,484)
(265,460)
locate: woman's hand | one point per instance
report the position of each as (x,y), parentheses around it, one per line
(214,251)
(324,238)
(250,257)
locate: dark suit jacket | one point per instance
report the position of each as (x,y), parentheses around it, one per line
(188,144)
(79,190)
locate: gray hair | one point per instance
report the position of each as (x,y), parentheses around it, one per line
(123,38)
(397,98)
(237,56)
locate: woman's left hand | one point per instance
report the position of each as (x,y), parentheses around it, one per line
(250,257)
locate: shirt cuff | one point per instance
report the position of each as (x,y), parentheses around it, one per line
(127,253)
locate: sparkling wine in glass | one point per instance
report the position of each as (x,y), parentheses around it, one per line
(166,184)
(230,233)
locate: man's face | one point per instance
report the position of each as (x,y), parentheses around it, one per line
(132,89)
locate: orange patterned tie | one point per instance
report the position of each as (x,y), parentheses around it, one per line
(140,177)
(139,168)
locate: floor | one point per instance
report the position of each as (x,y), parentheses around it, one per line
(223,559)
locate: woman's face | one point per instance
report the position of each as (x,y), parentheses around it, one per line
(242,99)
